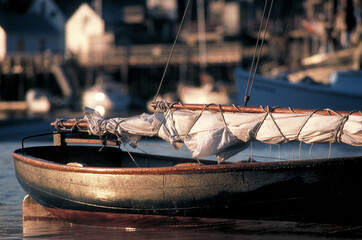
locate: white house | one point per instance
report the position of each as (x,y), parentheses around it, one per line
(2,44)
(82,29)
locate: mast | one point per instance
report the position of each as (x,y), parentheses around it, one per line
(201,34)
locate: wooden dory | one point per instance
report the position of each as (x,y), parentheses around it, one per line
(83,184)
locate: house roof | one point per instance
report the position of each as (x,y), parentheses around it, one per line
(25,24)
(69,7)
(112,9)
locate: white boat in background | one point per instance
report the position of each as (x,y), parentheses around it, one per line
(344,91)
(42,99)
(106,96)
(208,92)
(205,93)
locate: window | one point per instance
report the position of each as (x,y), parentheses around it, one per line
(42,45)
(20,46)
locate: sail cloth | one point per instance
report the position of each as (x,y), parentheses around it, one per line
(225,134)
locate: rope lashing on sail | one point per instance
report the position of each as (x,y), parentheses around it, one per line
(307,116)
(268,112)
(226,125)
(196,119)
(58,124)
(163,105)
(215,130)
(75,127)
(300,130)
(339,131)
(253,109)
(71,125)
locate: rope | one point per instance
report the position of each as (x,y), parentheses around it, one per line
(129,153)
(75,126)
(58,124)
(194,122)
(280,131)
(300,150)
(119,137)
(226,125)
(339,130)
(310,151)
(249,89)
(301,128)
(172,49)
(261,123)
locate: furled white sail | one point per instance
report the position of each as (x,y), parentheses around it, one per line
(225,134)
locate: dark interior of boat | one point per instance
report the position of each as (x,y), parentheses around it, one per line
(108,157)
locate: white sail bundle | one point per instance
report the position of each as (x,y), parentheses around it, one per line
(224,134)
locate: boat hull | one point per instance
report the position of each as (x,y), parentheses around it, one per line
(311,190)
(307,96)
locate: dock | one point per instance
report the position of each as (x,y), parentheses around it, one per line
(13,106)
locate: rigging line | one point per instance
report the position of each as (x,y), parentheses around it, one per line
(129,153)
(249,89)
(300,149)
(261,48)
(255,50)
(172,49)
(310,151)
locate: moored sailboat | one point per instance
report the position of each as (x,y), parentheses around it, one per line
(87,184)
(82,183)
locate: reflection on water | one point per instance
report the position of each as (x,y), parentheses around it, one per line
(63,230)
(11,195)
(10,218)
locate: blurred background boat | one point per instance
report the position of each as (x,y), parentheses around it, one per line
(343,91)
(106,96)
